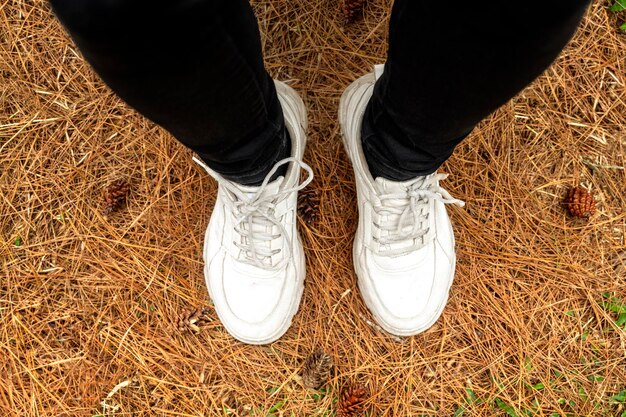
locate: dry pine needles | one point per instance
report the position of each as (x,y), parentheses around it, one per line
(87,304)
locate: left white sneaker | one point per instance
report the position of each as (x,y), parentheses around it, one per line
(403,252)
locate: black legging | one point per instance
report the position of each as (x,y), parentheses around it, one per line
(195,67)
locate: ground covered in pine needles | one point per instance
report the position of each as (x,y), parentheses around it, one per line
(91,304)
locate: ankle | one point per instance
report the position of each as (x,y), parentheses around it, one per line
(256,169)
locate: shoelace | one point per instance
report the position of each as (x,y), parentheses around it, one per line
(258,209)
(412,204)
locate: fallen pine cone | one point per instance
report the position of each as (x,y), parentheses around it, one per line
(309,204)
(580,203)
(352,401)
(114,196)
(316,369)
(192,320)
(352,10)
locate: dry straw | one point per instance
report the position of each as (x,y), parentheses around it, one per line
(87,302)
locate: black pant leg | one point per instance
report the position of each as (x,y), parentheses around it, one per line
(450,65)
(195,67)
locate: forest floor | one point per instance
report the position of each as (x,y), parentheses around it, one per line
(89,304)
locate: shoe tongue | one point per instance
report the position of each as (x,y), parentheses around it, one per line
(262,226)
(270,189)
(385,186)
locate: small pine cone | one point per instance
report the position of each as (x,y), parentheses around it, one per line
(352,10)
(352,401)
(309,204)
(114,196)
(192,320)
(316,369)
(580,203)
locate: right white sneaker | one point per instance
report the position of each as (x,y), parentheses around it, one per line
(403,252)
(254,261)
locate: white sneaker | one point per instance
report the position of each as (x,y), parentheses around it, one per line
(254,262)
(404,246)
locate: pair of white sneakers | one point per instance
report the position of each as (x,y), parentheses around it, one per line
(403,252)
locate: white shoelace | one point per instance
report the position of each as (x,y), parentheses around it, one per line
(409,208)
(256,209)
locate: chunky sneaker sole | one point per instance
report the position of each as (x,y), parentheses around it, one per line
(403,251)
(254,261)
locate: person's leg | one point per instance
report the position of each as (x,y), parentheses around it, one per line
(449,66)
(194,67)
(442,77)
